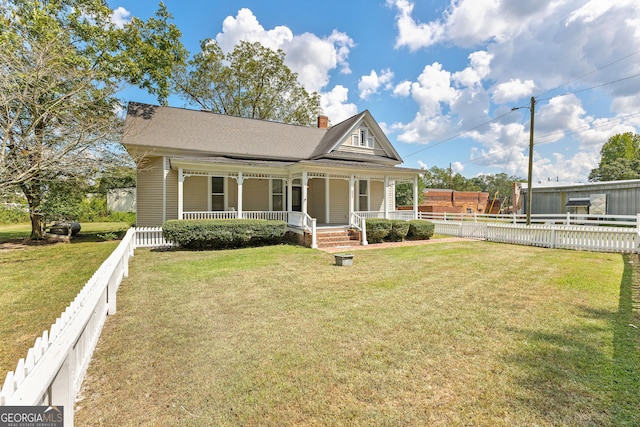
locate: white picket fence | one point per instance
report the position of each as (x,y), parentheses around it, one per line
(53,370)
(552,234)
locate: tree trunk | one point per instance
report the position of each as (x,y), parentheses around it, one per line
(33,194)
(37,231)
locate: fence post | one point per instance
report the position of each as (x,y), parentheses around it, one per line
(62,393)
(515,218)
(314,242)
(568,218)
(364,233)
(475,217)
(112,288)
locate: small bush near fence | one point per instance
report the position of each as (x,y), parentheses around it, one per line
(395,230)
(202,234)
(420,230)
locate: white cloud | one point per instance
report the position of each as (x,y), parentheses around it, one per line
(120,17)
(457,167)
(594,9)
(334,104)
(410,33)
(369,85)
(466,22)
(525,53)
(308,55)
(512,90)
(402,89)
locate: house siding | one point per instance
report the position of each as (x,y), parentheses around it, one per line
(376,195)
(255,195)
(149,194)
(195,193)
(339,202)
(316,200)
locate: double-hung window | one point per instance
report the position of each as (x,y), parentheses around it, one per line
(217,193)
(363,195)
(277,194)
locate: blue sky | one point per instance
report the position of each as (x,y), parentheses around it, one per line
(441,77)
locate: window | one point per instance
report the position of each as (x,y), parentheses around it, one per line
(363,139)
(363,195)
(217,193)
(277,195)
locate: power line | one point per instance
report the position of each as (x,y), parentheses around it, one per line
(457,135)
(594,87)
(588,74)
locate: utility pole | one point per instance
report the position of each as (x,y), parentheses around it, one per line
(529,178)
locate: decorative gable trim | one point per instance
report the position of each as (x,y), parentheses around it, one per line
(364,136)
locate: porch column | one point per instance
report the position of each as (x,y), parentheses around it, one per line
(305,183)
(415,197)
(386,197)
(289,194)
(240,180)
(180,193)
(352,186)
(327,199)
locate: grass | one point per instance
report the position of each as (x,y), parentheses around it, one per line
(466,333)
(90,231)
(38,281)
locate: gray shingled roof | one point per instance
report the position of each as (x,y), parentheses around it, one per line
(217,134)
(200,133)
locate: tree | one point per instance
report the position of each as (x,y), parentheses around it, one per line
(61,64)
(445,178)
(619,159)
(251,81)
(499,183)
(404,193)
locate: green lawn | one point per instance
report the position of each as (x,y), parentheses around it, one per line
(38,281)
(447,334)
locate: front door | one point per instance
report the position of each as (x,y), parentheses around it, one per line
(296,199)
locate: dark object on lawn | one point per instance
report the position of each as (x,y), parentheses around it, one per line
(63,228)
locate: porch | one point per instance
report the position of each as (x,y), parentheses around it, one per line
(301,223)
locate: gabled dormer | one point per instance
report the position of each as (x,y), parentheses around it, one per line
(358,138)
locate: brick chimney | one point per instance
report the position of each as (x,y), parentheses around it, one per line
(323,122)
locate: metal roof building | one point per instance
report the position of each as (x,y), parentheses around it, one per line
(604,198)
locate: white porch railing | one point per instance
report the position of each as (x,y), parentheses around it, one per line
(405,215)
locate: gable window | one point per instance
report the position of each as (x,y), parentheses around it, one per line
(363,139)
(217,193)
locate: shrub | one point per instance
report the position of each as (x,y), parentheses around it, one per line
(223,233)
(377,229)
(399,230)
(420,229)
(13,216)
